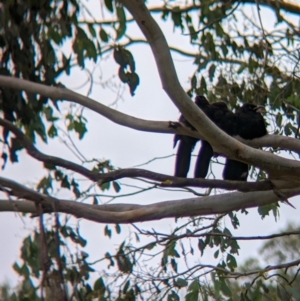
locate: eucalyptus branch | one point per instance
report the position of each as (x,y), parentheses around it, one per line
(129,213)
(188,273)
(224,144)
(220,141)
(274,4)
(163,127)
(165,180)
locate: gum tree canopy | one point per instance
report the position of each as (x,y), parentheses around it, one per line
(242,52)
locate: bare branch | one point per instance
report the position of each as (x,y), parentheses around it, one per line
(276,141)
(274,4)
(129,213)
(166,180)
(223,144)
(58,93)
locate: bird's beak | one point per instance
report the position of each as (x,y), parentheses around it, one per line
(260,109)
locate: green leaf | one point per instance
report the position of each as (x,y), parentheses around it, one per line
(171,251)
(231,262)
(201,245)
(16,267)
(219,29)
(116,186)
(279,119)
(105,186)
(75,188)
(194,82)
(15,146)
(193,33)
(241,68)
(194,286)
(80,128)
(99,285)
(180,282)
(124,263)
(234,247)
(225,289)
(216,254)
(109,5)
(177,18)
(119,57)
(133,82)
(264,210)
(54,35)
(203,86)
(81,241)
(65,182)
(174,265)
(122,22)
(52,131)
(107,231)
(193,296)
(234,220)
(150,246)
(118,228)
(211,71)
(48,111)
(121,14)
(4,156)
(123,75)
(224,49)
(227,232)
(103,35)
(45,184)
(127,285)
(91,51)
(108,256)
(92,30)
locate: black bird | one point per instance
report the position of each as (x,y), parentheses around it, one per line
(250,124)
(219,113)
(186,143)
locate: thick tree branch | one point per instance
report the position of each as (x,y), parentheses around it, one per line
(129,213)
(226,144)
(221,142)
(162,127)
(229,274)
(58,93)
(163,179)
(274,4)
(183,52)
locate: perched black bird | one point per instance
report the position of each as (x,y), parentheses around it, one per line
(250,124)
(219,113)
(186,143)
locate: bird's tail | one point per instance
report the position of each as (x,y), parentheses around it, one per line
(205,154)
(235,170)
(184,153)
